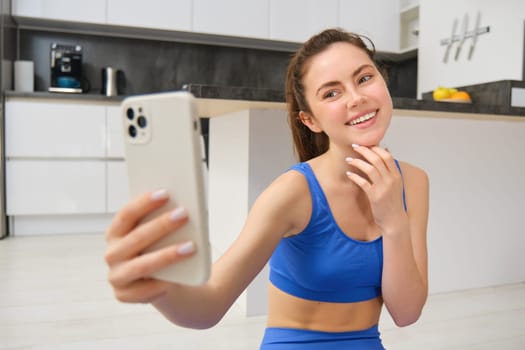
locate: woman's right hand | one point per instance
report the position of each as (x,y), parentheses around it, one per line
(130,268)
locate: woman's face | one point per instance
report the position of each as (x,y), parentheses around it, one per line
(348,97)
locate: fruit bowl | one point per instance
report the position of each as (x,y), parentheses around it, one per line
(456,100)
(451,95)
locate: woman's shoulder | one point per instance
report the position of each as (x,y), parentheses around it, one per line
(416,184)
(286,200)
(292,182)
(412,173)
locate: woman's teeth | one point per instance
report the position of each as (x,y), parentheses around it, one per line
(363,118)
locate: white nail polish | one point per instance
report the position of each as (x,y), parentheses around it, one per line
(186,248)
(355,145)
(349,159)
(178,213)
(159,194)
(348,173)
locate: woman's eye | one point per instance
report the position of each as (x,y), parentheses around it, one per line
(330,94)
(365,78)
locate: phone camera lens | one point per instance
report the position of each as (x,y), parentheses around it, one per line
(130,113)
(132,131)
(141,121)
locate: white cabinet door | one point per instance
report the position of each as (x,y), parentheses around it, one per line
(309,18)
(114,137)
(160,14)
(117,181)
(92,11)
(243,18)
(40,187)
(377,19)
(52,129)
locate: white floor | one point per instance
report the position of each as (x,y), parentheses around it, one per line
(53,295)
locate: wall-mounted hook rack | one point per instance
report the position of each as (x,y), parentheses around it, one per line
(470,34)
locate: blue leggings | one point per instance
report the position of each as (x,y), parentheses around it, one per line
(304,339)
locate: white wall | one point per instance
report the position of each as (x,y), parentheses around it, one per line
(476,236)
(498,54)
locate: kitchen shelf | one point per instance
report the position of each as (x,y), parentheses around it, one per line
(409,27)
(409,9)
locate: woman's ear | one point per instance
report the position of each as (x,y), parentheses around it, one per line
(310,122)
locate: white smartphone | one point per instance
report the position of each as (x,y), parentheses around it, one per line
(163,150)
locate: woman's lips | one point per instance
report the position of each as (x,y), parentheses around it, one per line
(362,119)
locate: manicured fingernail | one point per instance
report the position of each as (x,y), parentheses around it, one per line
(159,194)
(178,213)
(355,145)
(348,173)
(186,248)
(349,159)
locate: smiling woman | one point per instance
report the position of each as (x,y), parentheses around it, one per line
(330,272)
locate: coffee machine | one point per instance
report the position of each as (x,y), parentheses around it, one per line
(66,68)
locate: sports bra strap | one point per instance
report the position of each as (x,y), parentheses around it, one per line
(404,195)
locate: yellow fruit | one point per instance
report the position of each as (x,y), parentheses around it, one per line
(440,93)
(461,95)
(452,91)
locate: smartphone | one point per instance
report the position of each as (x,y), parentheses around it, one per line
(163,150)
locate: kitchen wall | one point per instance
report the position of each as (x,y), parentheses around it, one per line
(151,65)
(155,65)
(498,55)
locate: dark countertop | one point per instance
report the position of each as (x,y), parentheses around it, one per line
(210,93)
(65,96)
(249,94)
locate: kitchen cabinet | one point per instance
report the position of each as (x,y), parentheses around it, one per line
(117,185)
(408,25)
(390,24)
(313,16)
(377,19)
(63,159)
(43,129)
(44,187)
(158,14)
(241,18)
(64,10)
(506,36)
(114,136)
(117,180)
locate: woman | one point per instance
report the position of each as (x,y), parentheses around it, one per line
(344,230)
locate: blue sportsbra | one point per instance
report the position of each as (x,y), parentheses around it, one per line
(322,263)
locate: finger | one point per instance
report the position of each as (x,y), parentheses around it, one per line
(372,157)
(134,211)
(387,158)
(145,265)
(142,291)
(145,235)
(366,168)
(359,181)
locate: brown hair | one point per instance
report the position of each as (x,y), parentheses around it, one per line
(309,144)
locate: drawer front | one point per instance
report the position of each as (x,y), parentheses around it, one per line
(55,187)
(117,180)
(44,129)
(115,138)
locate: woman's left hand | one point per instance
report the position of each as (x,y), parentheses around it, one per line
(383,185)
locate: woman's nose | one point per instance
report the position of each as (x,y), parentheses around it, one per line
(355,99)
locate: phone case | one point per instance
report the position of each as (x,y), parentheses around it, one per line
(163,151)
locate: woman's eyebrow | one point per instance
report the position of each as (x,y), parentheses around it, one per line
(360,69)
(327,85)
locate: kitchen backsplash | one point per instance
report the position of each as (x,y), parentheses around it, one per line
(152,66)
